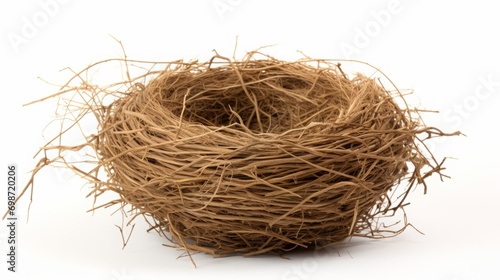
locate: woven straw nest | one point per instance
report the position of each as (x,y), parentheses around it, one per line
(254,155)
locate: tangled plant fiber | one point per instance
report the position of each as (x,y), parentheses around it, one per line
(254,155)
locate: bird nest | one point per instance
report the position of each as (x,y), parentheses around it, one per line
(254,155)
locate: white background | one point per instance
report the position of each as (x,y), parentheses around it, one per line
(447,52)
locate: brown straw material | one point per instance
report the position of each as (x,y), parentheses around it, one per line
(254,155)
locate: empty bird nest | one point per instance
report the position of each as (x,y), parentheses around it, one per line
(249,156)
